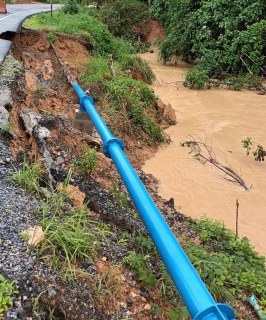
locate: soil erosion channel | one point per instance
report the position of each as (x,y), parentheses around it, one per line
(221,119)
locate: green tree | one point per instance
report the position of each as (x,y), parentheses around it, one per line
(223,36)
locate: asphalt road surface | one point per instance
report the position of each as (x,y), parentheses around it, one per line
(13,19)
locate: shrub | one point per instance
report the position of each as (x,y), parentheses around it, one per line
(51,37)
(125,18)
(88,163)
(71,7)
(196,78)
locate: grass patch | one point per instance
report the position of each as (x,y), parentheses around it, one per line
(137,65)
(69,235)
(28,177)
(69,238)
(131,108)
(88,162)
(80,24)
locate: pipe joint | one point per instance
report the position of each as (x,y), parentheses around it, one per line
(107,144)
(218,311)
(82,102)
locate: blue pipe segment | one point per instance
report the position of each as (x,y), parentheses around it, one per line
(193,292)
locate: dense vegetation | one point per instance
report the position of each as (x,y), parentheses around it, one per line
(225,37)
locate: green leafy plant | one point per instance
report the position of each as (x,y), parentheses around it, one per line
(7,127)
(138,67)
(139,265)
(144,243)
(156,309)
(196,78)
(25,235)
(258,152)
(47,113)
(71,6)
(125,18)
(51,37)
(121,196)
(229,266)
(88,162)
(40,91)
(6,291)
(123,241)
(179,313)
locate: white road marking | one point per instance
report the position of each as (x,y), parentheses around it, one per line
(21,12)
(12,15)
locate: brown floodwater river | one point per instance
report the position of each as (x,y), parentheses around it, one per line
(221,119)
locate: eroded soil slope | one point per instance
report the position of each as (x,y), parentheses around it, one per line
(105,288)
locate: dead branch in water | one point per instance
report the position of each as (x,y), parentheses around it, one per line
(211,158)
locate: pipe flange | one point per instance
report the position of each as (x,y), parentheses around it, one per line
(82,100)
(108,142)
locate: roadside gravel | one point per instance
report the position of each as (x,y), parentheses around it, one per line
(15,207)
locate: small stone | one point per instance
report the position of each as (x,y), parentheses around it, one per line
(74,193)
(8,159)
(104,258)
(147,306)
(143,299)
(60,160)
(170,216)
(133,294)
(24,298)
(17,304)
(129,303)
(51,293)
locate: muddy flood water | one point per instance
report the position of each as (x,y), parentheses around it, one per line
(221,119)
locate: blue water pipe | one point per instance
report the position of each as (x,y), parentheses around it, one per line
(196,297)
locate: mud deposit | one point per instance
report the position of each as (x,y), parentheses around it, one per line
(221,119)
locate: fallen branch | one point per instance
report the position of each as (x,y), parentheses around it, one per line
(254,62)
(246,66)
(211,158)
